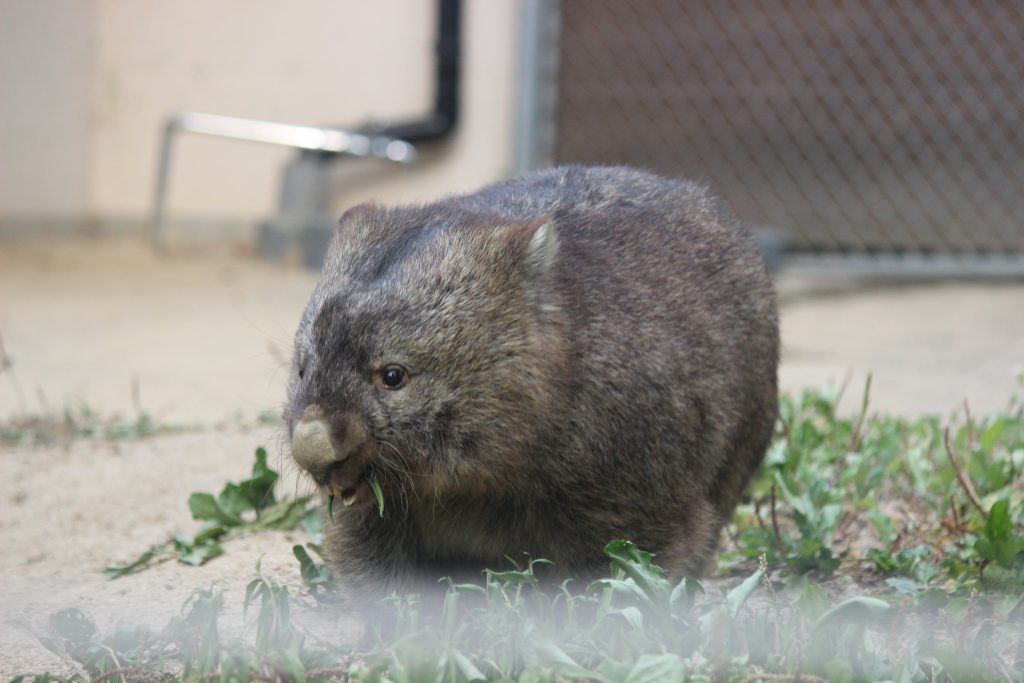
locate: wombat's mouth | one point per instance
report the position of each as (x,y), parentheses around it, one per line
(349,490)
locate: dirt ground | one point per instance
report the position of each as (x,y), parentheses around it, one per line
(202,341)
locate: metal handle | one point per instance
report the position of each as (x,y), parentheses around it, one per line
(333,140)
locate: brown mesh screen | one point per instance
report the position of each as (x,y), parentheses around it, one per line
(852,126)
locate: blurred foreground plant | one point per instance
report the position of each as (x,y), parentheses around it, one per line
(632,626)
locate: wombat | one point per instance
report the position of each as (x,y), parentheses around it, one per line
(543,366)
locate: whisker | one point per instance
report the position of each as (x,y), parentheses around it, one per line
(396,463)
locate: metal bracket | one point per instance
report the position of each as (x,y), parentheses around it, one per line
(312,138)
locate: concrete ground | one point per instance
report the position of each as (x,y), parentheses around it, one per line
(203,341)
(929,346)
(206,339)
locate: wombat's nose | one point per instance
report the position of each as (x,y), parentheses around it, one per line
(312,449)
(315,449)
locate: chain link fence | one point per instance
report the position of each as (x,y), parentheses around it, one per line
(869,127)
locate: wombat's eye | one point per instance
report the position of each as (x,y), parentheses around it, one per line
(393,376)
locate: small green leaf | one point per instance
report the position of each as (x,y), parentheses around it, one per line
(735,599)
(375,485)
(1000,544)
(548,653)
(685,591)
(633,616)
(905,586)
(466,667)
(313,575)
(524,576)
(624,587)
(306,565)
(204,506)
(139,563)
(283,515)
(637,565)
(993,435)
(859,609)
(667,668)
(252,590)
(196,553)
(232,501)
(209,531)
(999,525)
(259,490)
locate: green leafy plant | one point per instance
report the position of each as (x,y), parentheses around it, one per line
(315,576)
(80,421)
(943,502)
(635,625)
(926,514)
(248,505)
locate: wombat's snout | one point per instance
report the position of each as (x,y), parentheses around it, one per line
(318,445)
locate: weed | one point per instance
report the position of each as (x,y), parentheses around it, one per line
(929,517)
(249,505)
(82,422)
(634,625)
(909,498)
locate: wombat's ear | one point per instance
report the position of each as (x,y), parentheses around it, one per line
(542,247)
(357,215)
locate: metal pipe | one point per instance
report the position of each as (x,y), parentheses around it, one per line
(437,124)
(290,135)
(329,140)
(163,173)
(538,95)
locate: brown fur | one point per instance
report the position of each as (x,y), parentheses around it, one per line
(592,356)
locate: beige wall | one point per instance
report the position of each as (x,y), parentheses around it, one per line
(45,70)
(482,150)
(131,64)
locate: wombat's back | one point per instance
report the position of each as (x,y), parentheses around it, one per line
(674,331)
